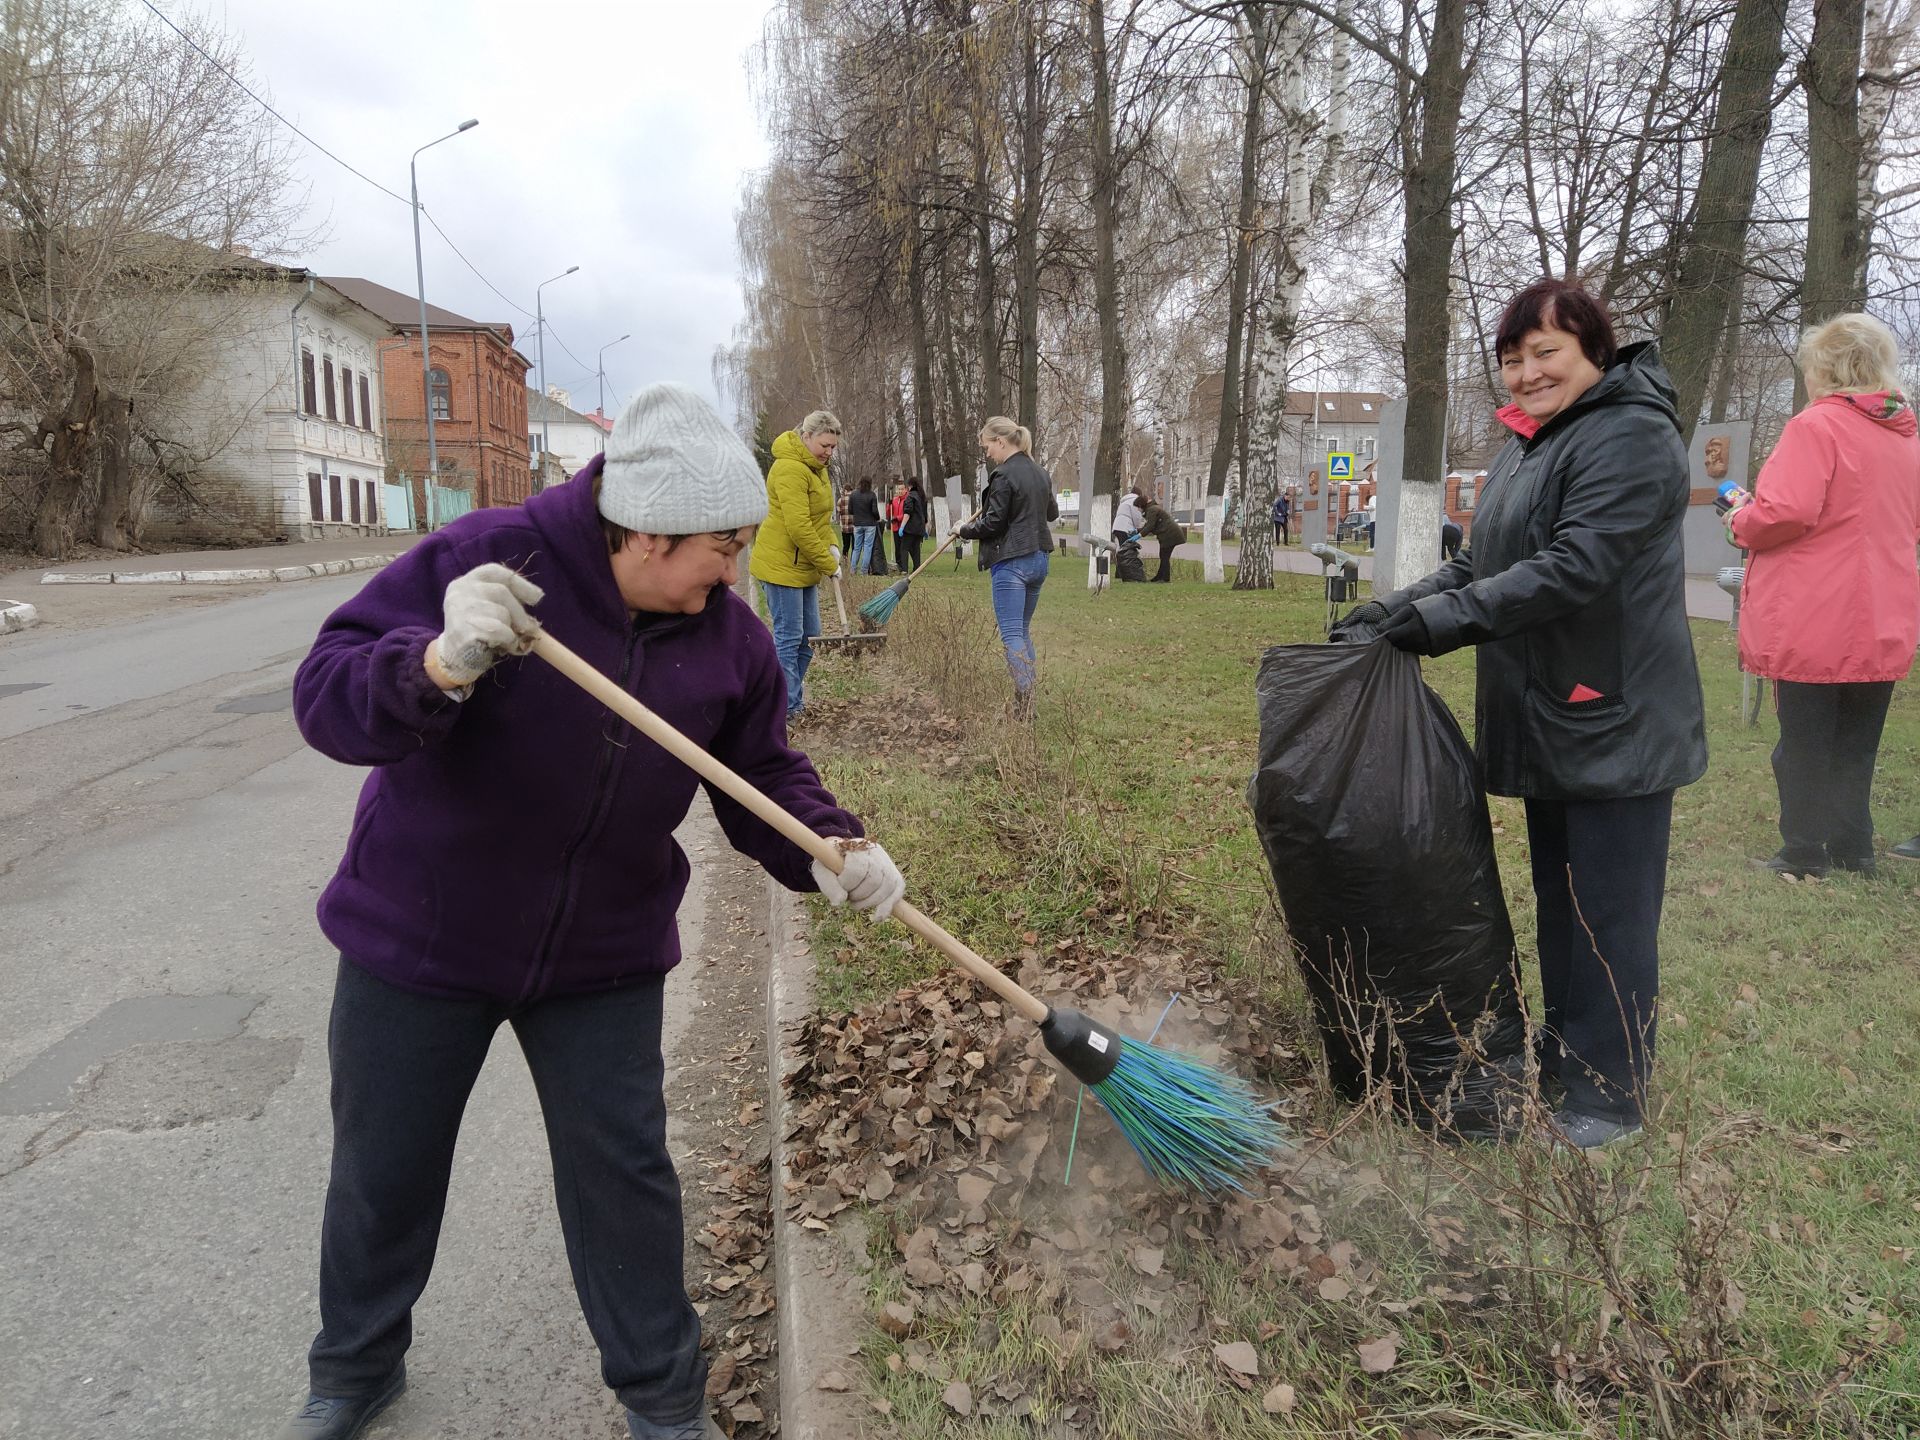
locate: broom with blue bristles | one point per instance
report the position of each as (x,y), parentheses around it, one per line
(881,607)
(1190,1123)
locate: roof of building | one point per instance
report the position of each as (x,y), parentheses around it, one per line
(545,407)
(1336,407)
(403,310)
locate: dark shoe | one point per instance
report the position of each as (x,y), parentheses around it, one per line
(341,1417)
(1858,864)
(1591,1132)
(1907,849)
(1781,865)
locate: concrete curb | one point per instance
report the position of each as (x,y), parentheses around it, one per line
(822,1304)
(17,615)
(250,576)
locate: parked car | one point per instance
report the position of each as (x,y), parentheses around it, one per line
(1355,527)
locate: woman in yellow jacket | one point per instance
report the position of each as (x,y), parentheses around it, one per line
(795,550)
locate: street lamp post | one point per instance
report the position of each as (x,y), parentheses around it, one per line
(540,329)
(420,283)
(601,366)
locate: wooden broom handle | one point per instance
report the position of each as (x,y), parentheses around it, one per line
(840,604)
(952,535)
(717,772)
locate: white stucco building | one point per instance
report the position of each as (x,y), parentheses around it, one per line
(573,437)
(1314,424)
(286,410)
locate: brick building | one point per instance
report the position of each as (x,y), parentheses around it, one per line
(479,398)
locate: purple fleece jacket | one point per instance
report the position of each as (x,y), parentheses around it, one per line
(520,843)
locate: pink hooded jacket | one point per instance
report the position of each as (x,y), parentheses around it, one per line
(1832,594)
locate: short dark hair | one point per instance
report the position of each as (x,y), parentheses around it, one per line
(1565,306)
(866,483)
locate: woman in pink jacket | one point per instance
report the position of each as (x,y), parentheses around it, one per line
(1831,608)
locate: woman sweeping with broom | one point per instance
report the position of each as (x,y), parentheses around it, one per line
(1016,510)
(512,859)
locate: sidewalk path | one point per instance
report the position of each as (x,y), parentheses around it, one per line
(1705,599)
(254,564)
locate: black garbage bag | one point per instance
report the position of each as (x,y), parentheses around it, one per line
(1126,562)
(1369,806)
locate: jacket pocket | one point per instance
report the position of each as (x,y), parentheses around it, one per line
(1579,750)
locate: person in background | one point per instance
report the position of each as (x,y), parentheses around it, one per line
(1830,610)
(1587,698)
(863,507)
(794,550)
(1017,510)
(1126,516)
(512,861)
(896,523)
(913,526)
(1161,526)
(1282,518)
(843,519)
(1451,537)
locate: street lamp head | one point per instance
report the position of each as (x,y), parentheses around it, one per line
(467,125)
(570,269)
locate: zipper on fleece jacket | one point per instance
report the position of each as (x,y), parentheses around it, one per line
(538,978)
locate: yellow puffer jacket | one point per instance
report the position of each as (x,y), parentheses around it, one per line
(795,542)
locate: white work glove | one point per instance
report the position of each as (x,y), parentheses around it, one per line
(836,562)
(486,618)
(869,879)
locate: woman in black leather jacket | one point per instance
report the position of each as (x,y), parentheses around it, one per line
(1016,510)
(1587,697)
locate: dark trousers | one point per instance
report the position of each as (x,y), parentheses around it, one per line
(910,551)
(899,551)
(846,541)
(1829,738)
(403,1065)
(1280,532)
(1165,572)
(1599,875)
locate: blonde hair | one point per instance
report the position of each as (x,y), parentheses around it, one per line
(999,427)
(1850,354)
(820,422)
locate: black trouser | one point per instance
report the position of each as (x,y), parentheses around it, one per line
(910,551)
(403,1065)
(1829,738)
(1599,875)
(1280,532)
(846,542)
(1165,572)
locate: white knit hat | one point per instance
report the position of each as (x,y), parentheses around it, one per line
(674,468)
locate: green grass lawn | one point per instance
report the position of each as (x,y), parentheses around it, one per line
(1788,1075)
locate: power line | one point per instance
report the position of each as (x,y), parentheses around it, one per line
(195,45)
(471,266)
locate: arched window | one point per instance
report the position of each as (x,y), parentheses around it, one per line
(441,390)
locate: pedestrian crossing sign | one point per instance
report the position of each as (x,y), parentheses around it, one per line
(1339,465)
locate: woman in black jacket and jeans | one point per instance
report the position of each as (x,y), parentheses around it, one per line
(1016,510)
(1587,700)
(913,526)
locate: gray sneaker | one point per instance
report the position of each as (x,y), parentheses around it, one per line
(1591,1132)
(701,1429)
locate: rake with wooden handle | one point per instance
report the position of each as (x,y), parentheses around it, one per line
(1188,1122)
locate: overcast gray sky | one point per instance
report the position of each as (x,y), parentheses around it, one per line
(612,136)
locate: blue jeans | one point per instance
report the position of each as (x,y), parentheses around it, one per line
(794,613)
(863,547)
(1016,591)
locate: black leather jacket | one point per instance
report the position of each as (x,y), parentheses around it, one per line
(1015,511)
(1575,578)
(863,508)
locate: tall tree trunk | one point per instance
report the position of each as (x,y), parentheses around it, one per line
(113,525)
(1889,30)
(1255,570)
(1026,235)
(907,451)
(937,470)
(1713,250)
(68,459)
(1227,428)
(1106,277)
(986,283)
(1429,236)
(1836,225)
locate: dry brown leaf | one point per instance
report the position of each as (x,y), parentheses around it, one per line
(834,1381)
(1279,1400)
(1147,1259)
(720,1373)
(958,1397)
(1377,1357)
(1333,1289)
(973,1190)
(897,1320)
(1238,1356)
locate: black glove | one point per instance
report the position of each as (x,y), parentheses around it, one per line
(1360,625)
(1405,630)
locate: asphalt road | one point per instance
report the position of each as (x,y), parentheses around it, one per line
(163,1089)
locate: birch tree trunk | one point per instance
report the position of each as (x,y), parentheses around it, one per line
(1836,223)
(1106,277)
